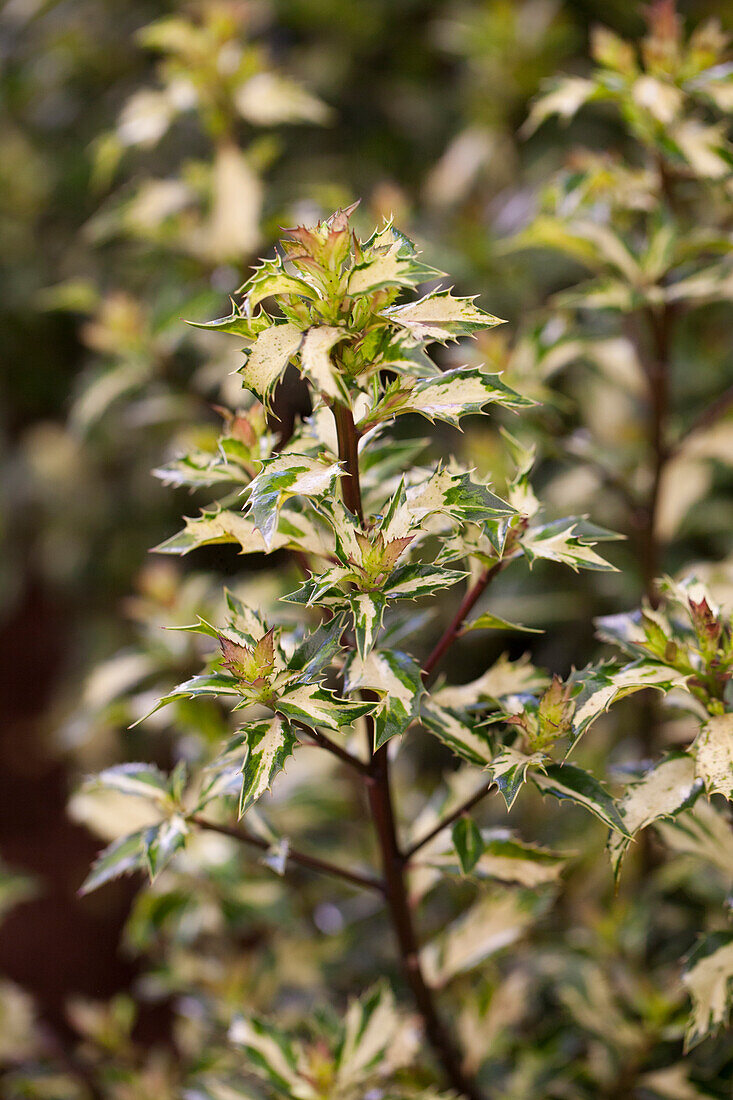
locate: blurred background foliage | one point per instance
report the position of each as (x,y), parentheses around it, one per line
(150,153)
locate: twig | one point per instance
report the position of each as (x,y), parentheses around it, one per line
(451,632)
(707,417)
(382,812)
(313,863)
(462,809)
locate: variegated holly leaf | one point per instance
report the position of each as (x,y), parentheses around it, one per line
(122,857)
(493,923)
(268,357)
(441,317)
(703,832)
(318,649)
(449,492)
(396,679)
(367,613)
(316,706)
(273,1056)
(468,740)
(161,842)
(568,782)
(139,780)
(150,849)
(713,753)
(211,684)
(448,397)
(565,97)
(665,791)
(317,365)
(509,768)
(286,476)
(238,323)
(603,685)
(376,1040)
(708,978)
(271,280)
(503,678)
(567,541)
(389,259)
(265,746)
(295,530)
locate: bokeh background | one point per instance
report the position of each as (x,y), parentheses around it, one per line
(127,205)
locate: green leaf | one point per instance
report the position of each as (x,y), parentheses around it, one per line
(708,978)
(713,752)
(566,781)
(319,649)
(440,316)
(286,476)
(487,621)
(119,858)
(468,843)
(397,680)
(665,791)
(267,745)
(269,356)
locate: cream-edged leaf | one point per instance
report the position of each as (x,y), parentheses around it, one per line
(269,356)
(494,922)
(667,789)
(708,978)
(316,362)
(440,316)
(713,752)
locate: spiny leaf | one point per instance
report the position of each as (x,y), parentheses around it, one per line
(713,752)
(397,680)
(566,781)
(288,475)
(708,977)
(267,745)
(316,706)
(269,356)
(440,316)
(665,791)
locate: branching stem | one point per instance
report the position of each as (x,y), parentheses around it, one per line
(313,863)
(453,629)
(382,813)
(464,807)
